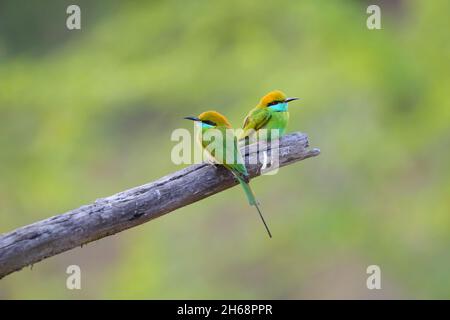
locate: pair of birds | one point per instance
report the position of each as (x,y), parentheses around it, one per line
(270,113)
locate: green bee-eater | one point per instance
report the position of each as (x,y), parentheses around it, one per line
(225,152)
(270,113)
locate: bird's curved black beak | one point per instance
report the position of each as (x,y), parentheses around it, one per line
(192,118)
(290,99)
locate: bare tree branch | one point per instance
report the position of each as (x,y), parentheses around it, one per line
(35,242)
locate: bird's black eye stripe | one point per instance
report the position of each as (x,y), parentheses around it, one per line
(273,103)
(209,122)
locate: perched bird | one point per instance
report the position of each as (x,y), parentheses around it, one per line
(228,155)
(270,113)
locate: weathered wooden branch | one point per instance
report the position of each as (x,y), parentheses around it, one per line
(107,216)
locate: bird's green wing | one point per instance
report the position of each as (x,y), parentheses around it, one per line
(237,162)
(226,152)
(256,119)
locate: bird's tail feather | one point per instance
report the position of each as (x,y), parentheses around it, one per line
(252,200)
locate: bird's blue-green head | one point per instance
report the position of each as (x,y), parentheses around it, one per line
(276,101)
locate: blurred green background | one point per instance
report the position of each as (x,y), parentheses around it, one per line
(88,113)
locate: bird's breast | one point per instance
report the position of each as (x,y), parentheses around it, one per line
(279,120)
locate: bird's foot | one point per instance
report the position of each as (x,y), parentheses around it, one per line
(210,162)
